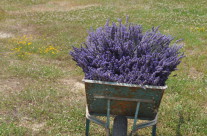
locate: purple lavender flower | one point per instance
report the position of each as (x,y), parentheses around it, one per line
(124,53)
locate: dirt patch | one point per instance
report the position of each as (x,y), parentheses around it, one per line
(75,85)
(75,89)
(2,14)
(12,85)
(5,35)
(60,6)
(27,123)
(17,28)
(78,86)
(21,28)
(194,74)
(54,6)
(205,108)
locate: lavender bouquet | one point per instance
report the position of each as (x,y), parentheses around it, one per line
(124,53)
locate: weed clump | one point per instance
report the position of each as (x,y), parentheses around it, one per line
(24,47)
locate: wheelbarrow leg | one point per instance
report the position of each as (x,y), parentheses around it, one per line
(135,119)
(87,126)
(154,127)
(108,118)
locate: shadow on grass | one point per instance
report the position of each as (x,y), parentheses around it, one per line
(181,121)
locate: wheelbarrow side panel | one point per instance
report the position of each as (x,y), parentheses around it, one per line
(126,108)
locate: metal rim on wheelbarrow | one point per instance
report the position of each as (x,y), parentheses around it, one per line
(125,84)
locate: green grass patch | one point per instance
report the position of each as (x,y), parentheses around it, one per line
(9,129)
(37,71)
(37,89)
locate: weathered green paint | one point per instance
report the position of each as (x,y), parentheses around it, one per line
(87,126)
(135,117)
(108,114)
(126,108)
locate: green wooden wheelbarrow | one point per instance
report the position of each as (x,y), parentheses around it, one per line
(123,101)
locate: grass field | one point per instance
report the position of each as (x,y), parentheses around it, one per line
(40,86)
